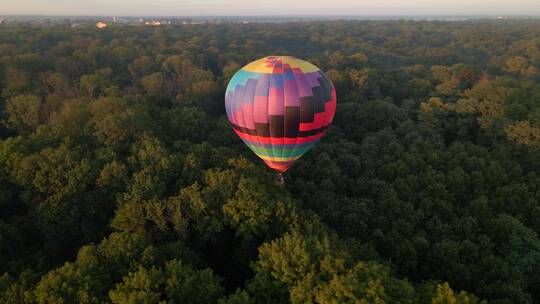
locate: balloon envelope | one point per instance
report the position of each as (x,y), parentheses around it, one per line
(280,106)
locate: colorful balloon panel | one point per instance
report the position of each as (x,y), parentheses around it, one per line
(280,106)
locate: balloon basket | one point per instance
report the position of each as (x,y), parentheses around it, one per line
(280,181)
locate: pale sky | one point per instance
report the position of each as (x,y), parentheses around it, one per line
(269,7)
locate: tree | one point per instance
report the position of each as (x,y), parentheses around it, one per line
(524,133)
(93,85)
(175,283)
(96,270)
(142,66)
(312,269)
(445,295)
(118,120)
(154,84)
(23,113)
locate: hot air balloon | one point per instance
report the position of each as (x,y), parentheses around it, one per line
(280,106)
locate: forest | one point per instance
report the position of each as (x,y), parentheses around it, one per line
(122,181)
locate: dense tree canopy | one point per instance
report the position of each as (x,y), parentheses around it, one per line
(121,180)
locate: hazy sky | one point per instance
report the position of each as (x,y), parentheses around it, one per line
(270,7)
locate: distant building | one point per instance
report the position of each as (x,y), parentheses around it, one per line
(119,20)
(153,22)
(101,25)
(2,21)
(157,22)
(192,22)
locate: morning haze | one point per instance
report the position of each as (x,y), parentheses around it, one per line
(267,7)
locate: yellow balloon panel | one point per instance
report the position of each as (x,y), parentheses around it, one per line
(263,66)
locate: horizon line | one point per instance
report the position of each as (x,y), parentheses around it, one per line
(292,15)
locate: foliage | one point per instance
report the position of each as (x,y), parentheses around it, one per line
(121,180)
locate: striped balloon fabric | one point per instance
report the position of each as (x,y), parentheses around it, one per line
(280,106)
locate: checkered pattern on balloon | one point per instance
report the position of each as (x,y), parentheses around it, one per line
(280,106)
